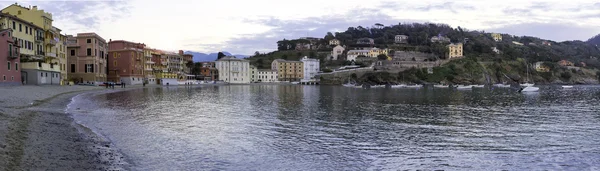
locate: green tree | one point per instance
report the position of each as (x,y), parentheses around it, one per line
(256,53)
(382,57)
(284,56)
(566,75)
(312,54)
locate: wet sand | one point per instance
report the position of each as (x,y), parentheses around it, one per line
(37,134)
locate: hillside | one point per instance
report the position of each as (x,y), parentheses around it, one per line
(199,57)
(594,40)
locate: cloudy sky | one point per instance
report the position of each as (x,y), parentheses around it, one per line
(246,26)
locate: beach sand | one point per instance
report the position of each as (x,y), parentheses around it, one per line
(37,134)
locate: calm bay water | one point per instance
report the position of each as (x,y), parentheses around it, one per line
(293,127)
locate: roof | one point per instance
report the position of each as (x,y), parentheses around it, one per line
(231,58)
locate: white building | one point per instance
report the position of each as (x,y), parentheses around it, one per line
(352,54)
(253,74)
(401,39)
(334,42)
(267,75)
(337,52)
(311,68)
(233,70)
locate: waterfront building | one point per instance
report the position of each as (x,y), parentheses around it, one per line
(187,59)
(46,39)
(63,59)
(253,74)
(276,63)
(87,58)
(311,69)
(125,62)
(208,71)
(9,59)
(149,63)
(337,52)
(267,75)
(233,70)
(455,50)
(290,70)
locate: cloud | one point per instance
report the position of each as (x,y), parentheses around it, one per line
(552,31)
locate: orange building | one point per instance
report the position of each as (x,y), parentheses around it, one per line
(125,62)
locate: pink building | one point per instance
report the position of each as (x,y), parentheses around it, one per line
(9,59)
(125,62)
(87,58)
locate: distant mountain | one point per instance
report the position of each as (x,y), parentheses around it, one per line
(594,40)
(200,57)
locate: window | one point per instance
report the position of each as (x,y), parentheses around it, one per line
(14,26)
(9,66)
(115,63)
(89,51)
(95,52)
(72,68)
(41,74)
(4,77)
(30,31)
(10,49)
(16,66)
(12,78)
(89,68)
(89,40)
(20,28)
(72,52)
(26,30)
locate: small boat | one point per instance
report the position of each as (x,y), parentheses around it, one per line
(295,82)
(526,84)
(566,86)
(378,86)
(441,86)
(529,89)
(464,87)
(502,85)
(398,86)
(414,86)
(478,86)
(351,85)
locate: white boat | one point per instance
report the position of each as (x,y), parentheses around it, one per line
(378,86)
(441,86)
(464,87)
(526,84)
(566,86)
(295,82)
(398,86)
(502,85)
(414,86)
(351,85)
(530,89)
(478,86)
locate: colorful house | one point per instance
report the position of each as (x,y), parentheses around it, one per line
(497,37)
(125,62)
(9,59)
(565,63)
(540,67)
(455,50)
(87,58)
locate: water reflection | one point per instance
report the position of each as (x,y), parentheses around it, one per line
(292,127)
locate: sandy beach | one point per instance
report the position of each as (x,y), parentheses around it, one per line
(37,134)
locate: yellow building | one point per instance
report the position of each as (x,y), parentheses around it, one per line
(497,37)
(455,50)
(290,70)
(148,65)
(373,53)
(48,37)
(25,33)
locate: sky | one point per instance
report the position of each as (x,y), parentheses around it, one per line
(246,26)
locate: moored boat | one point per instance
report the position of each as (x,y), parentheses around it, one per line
(398,86)
(464,87)
(567,86)
(530,89)
(441,86)
(414,86)
(502,85)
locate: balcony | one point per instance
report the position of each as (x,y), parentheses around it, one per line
(51,54)
(148,69)
(52,42)
(40,53)
(40,66)
(149,62)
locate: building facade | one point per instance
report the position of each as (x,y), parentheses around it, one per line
(46,39)
(9,59)
(311,69)
(233,70)
(149,76)
(337,52)
(334,42)
(125,62)
(87,58)
(253,74)
(208,71)
(290,70)
(267,75)
(497,37)
(353,54)
(455,50)
(401,39)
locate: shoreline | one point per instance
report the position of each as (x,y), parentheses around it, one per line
(37,132)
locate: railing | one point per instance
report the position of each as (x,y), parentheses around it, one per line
(40,53)
(149,62)
(52,42)
(39,38)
